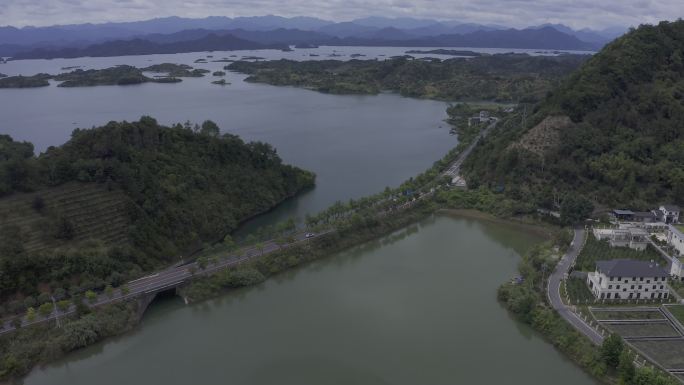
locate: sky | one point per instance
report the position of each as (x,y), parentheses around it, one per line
(596,14)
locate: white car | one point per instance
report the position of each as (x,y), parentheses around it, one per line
(310,235)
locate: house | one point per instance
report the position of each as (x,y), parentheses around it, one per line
(628,279)
(632,237)
(484,116)
(622,215)
(675,238)
(668,213)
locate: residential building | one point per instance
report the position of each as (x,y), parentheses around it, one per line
(622,215)
(668,213)
(632,237)
(484,116)
(628,279)
(675,238)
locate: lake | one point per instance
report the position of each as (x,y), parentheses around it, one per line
(417,307)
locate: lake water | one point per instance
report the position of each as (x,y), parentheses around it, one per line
(418,307)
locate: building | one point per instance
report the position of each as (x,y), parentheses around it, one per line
(632,237)
(668,213)
(675,238)
(644,217)
(628,279)
(484,116)
(622,215)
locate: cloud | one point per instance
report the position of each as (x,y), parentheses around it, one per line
(516,13)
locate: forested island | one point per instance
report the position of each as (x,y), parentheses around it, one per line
(502,78)
(170,190)
(441,51)
(118,75)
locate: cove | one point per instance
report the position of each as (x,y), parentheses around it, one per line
(416,307)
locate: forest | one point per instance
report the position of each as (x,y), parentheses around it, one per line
(615,134)
(178,188)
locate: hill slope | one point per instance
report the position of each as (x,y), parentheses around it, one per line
(623,143)
(125,198)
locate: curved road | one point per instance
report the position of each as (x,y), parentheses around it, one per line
(553,289)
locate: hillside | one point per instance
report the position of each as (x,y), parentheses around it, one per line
(617,133)
(119,200)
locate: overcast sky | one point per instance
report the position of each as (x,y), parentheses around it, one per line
(515,13)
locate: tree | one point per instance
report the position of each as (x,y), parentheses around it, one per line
(626,367)
(45,309)
(228,243)
(210,128)
(16,322)
(30,314)
(29,302)
(125,290)
(575,209)
(260,246)
(64,229)
(91,296)
(63,305)
(38,204)
(109,291)
(611,349)
(202,262)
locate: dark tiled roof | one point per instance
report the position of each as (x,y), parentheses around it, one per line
(644,214)
(623,212)
(671,208)
(630,268)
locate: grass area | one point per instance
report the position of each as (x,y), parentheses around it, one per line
(680,228)
(627,315)
(596,250)
(669,353)
(578,291)
(677,311)
(660,329)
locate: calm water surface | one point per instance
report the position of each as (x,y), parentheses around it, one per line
(418,307)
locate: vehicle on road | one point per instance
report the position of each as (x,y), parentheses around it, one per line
(310,235)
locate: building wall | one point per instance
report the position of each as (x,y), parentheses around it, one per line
(639,287)
(676,239)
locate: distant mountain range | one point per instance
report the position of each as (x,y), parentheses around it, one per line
(371,31)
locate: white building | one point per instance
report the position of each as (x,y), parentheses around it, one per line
(628,279)
(632,237)
(675,238)
(668,213)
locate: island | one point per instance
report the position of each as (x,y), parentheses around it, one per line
(500,78)
(39,80)
(119,75)
(219,73)
(221,82)
(449,52)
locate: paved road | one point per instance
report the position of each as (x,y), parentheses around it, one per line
(454,169)
(553,290)
(170,278)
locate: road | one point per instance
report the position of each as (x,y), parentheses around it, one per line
(553,289)
(168,278)
(454,169)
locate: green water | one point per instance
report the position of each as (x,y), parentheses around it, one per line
(418,307)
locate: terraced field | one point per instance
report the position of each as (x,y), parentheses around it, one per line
(90,209)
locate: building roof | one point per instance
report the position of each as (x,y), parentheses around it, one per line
(623,212)
(671,208)
(630,268)
(644,214)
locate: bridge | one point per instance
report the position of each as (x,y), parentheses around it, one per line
(145,289)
